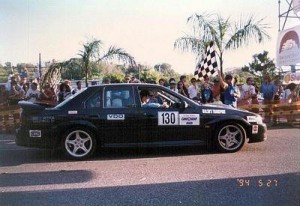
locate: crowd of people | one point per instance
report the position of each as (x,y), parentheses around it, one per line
(221,90)
(19,88)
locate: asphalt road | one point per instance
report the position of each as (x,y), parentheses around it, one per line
(265,173)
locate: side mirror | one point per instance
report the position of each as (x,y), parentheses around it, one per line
(179,105)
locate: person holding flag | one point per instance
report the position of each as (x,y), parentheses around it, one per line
(231,91)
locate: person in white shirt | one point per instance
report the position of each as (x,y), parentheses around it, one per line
(33,94)
(172,85)
(78,88)
(192,90)
(248,91)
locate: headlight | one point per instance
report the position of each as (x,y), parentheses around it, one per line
(255,119)
(259,119)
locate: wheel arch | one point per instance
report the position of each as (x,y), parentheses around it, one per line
(242,123)
(62,128)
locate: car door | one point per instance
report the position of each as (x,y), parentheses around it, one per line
(173,124)
(117,115)
(119,112)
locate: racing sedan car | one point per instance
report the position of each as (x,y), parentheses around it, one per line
(135,115)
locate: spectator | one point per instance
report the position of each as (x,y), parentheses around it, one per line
(206,79)
(26,87)
(24,73)
(33,94)
(48,95)
(231,91)
(78,88)
(172,85)
(64,92)
(248,92)
(217,100)
(216,89)
(15,91)
(278,86)
(36,75)
(192,90)
(106,81)
(290,93)
(207,94)
(68,82)
(268,91)
(3,96)
(162,82)
(182,89)
(183,79)
(127,79)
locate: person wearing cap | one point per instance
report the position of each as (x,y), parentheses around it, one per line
(231,91)
(172,85)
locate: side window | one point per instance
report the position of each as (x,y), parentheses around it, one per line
(156,98)
(94,101)
(118,98)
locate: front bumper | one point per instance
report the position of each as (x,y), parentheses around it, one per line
(260,136)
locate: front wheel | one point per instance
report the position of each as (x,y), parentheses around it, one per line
(78,144)
(229,138)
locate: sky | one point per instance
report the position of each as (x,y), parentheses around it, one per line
(147,29)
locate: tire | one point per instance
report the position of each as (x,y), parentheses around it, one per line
(229,138)
(79,144)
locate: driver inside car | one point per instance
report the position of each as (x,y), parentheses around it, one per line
(147,100)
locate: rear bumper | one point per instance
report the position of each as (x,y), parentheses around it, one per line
(45,141)
(260,136)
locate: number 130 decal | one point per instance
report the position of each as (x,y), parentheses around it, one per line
(167,118)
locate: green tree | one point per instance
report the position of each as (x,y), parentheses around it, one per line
(91,51)
(72,69)
(226,34)
(150,75)
(261,65)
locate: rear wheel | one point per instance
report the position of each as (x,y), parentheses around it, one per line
(230,138)
(79,144)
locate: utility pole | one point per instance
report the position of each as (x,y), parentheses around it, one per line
(40,65)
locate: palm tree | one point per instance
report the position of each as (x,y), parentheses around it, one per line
(225,34)
(91,52)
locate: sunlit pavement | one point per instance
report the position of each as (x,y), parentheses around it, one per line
(265,173)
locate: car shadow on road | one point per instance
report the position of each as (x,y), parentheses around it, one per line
(281,189)
(45,178)
(31,155)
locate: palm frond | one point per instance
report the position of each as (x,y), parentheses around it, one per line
(245,32)
(190,43)
(118,54)
(203,26)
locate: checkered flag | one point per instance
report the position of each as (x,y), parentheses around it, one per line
(208,65)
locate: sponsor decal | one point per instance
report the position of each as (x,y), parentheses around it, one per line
(251,119)
(167,118)
(213,111)
(189,119)
(72,112)
(254,129)
(116,117)
(35,133)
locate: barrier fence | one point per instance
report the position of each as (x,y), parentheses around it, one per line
(9,118)
(283,112)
